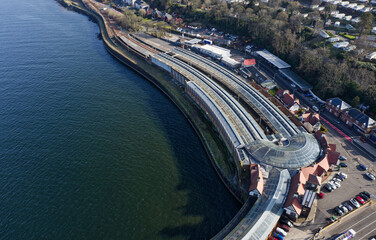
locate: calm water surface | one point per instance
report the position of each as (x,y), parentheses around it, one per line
(89,149)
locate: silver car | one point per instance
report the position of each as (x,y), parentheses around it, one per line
(354,202)
(348,206)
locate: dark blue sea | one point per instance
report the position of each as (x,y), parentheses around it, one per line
(88,148)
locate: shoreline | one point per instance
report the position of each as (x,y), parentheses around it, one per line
(185,108)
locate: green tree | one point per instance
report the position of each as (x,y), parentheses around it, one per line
(355,101)
(366,22)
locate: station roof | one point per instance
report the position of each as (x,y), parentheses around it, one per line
(267,210)
(193,41)
(271,58)
(293,77)
(299,151)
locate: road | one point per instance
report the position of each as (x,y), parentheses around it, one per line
(362,222)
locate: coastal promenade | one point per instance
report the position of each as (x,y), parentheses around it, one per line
(212,88)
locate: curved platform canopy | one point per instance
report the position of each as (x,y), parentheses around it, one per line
(294,152)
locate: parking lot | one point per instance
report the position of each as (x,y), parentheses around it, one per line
(355,183)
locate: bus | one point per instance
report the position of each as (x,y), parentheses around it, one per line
(346,235)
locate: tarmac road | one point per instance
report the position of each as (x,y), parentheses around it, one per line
(362,221)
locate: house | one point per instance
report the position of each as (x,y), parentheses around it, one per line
(130,2)
(292,205)
(358,120)
(371,56)
(177,21)
(293,208)
(249,62)
(286,98)
(336,106)
(337,24)
(311,121)
(139,4)
(333,39)
(341,44)
(166,17)
(324,34)
(322,140)
(333,157)
(313,182)
(355,20)
(350,48)
(257,182)
(156,14)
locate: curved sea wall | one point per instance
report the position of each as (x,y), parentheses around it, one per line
(213,145)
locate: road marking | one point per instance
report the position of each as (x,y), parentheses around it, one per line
(366,226)
(335,128)
(363,219)
(371,233)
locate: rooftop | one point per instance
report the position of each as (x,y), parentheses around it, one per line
(293,77)
(298,151)
(271,58)
(337,102)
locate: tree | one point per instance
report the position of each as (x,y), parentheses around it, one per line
(282,16)
(355,101)
(366,21)
(142,12)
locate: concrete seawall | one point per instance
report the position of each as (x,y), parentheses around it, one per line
(133,64)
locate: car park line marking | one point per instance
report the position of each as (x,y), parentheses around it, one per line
(363,220)
(335,128)
(370,233)
(366,226)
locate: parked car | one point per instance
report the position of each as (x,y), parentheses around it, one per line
(338,211)
(284,227)
(342,158)
(333,219)
(315,108)
(370,176)
(293,85)
(367,194)
(337,179)
(281,231)
(336,183)
(308,95)
(363,140)
(342,164)
(278,236)
(361,200)
(343,208)
(348,206)
(362,167)
(286,222)
(354,202)
(321,195)
(364,196)
(344,175)
(329,187)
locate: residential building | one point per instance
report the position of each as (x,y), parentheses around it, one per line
(371,56)
(257,182)
(336,106)
(311,121)
(358,120)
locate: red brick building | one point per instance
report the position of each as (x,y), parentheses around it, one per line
(358,120)
(336,106)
